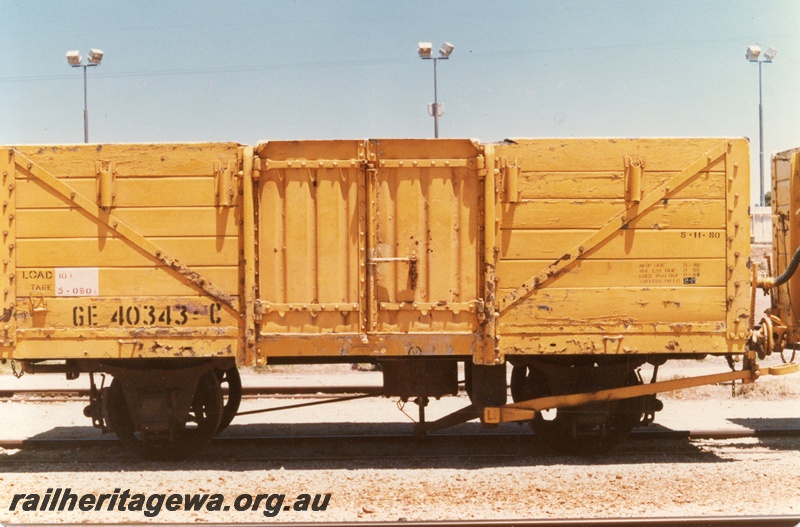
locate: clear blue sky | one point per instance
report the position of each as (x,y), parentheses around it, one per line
(248,71)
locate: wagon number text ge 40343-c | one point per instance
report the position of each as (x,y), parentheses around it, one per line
(145,315)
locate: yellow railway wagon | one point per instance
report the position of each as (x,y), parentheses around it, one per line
(782,324)
(574,260)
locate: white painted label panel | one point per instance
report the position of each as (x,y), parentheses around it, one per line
(77,281)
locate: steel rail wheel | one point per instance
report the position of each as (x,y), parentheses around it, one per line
(231,402)
(583,430)
(182,440)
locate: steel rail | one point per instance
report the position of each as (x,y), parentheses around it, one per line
(704,521)
(55,443)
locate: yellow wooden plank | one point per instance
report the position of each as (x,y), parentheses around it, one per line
(593,155)
(129,192)
(306,323)
(421,321)
(781,195)
(119,344)
(146,159)
(159,222)
(624,244)
(271,232)
(588,214)
(610,185)
(299,242)
(148,315)
(688,344)
(423,149)
(127,281)
(658,272)
(311,150)
(387,345)
(108,252)
(338,229)
(580,309)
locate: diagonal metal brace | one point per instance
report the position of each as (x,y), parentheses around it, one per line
(27,166)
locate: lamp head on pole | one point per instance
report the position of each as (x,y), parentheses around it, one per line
(95,56)
(424,50)
(752,53)
(74,58)
(445,50)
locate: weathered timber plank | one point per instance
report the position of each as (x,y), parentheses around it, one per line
(611,185)
(594,307)
(176,221)
(129,281)
(118,253)
(587,155)
(620,273)
(592,213)
(140,192)
(624,244)
(132,159)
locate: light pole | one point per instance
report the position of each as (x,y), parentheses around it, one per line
(436,109)
(75,60)
(752,54)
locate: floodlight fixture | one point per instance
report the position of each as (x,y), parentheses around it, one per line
(435,109)
(753,54)
(76,61)
(424,50)
(445,50)
(95,56)
(74,58)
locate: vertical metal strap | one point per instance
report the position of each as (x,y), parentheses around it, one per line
(8,256)
(248,357)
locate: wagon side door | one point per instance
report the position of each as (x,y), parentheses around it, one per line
(425,252)
(311,247)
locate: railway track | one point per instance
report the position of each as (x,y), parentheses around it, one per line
(434,442)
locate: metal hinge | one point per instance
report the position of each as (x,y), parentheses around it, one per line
(106,179)
(634,170)
(511,172)
(225,183)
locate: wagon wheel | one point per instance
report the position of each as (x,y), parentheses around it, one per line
(182,440)
(588,429)
(230,403)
